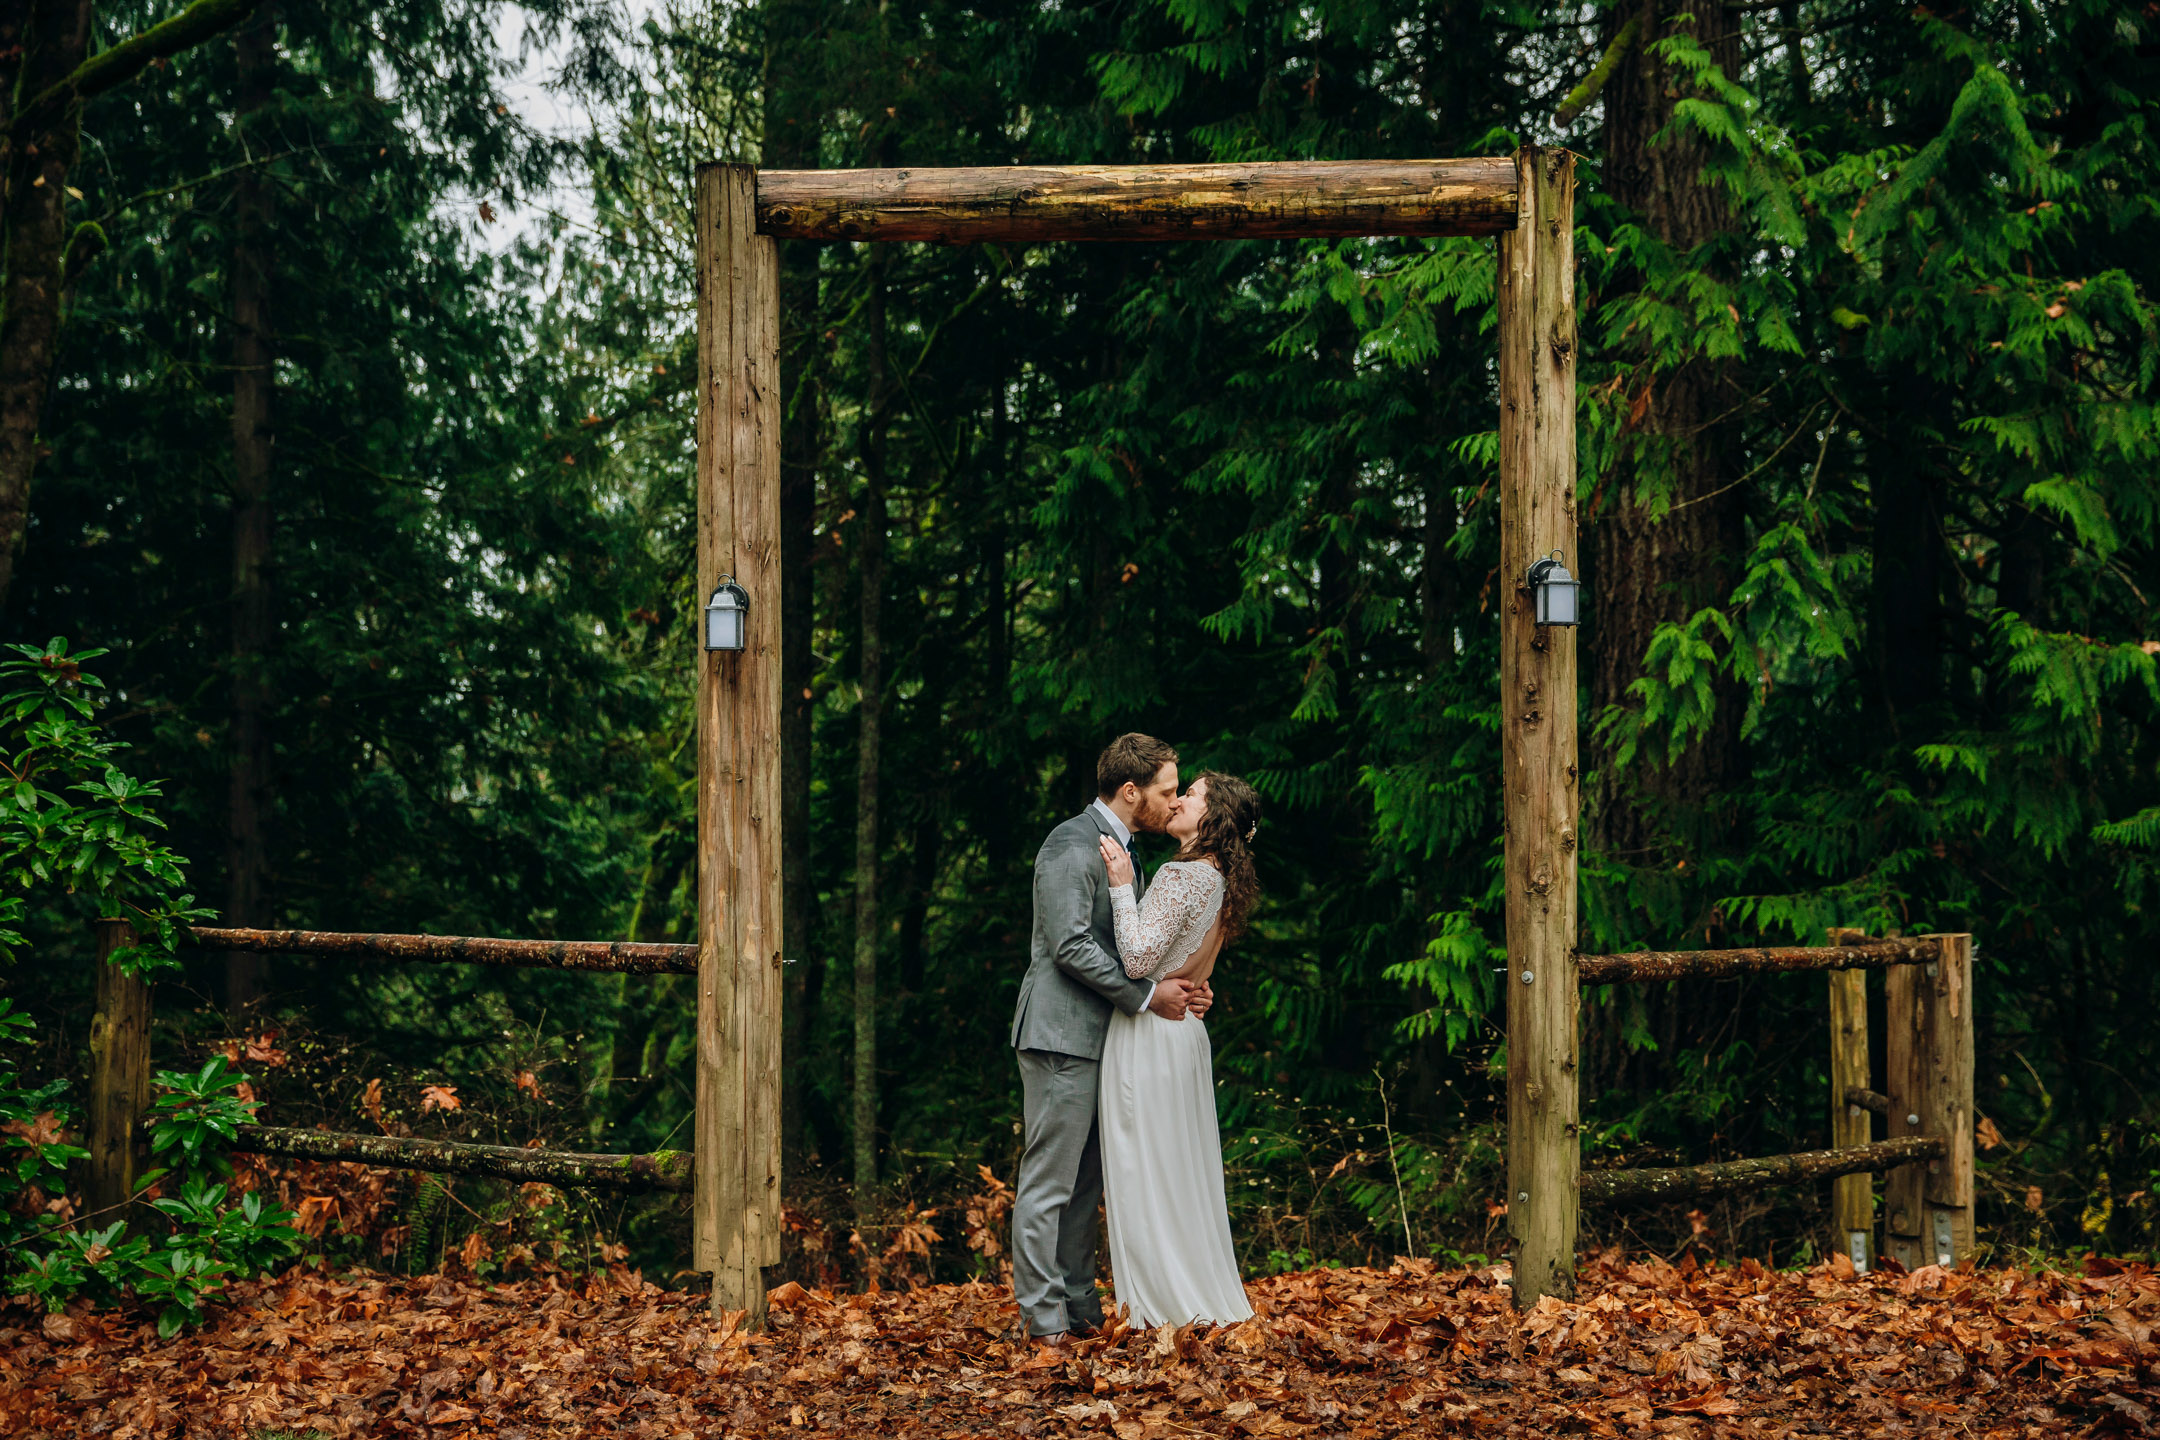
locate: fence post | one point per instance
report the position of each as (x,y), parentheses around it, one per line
(119,1076)
(1929,1077)
(1852,1197)
(1537,706)
(736,1209)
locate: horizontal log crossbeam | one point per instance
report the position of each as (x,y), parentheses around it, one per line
(627,1174)
(1873,1100)
(633,957)
(1282,199)
(1653,965)
(1732,1177)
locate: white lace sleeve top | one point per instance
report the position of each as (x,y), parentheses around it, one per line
(1156,937)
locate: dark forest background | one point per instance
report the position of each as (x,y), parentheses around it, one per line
(1870,472)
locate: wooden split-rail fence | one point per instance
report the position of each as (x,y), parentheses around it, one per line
(120,1068)
(1926,1102)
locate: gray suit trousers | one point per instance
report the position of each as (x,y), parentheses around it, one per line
(1060,1187)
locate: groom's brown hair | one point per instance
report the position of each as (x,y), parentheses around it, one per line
(1135,757)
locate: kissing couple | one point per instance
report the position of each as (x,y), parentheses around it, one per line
(1116,1073)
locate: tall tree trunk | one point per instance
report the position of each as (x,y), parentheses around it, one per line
(791,136)
(1650,568)
(1908,561)
(870,562)
(247,840)
(55,34)
(915,920)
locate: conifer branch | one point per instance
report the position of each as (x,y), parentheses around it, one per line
(123,62)
(1578,99)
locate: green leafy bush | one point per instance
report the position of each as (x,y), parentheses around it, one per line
(71,821)
(212,1236)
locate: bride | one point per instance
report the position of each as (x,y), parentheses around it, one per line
(1171,1260)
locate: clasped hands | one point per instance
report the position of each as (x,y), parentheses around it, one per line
(1173,999)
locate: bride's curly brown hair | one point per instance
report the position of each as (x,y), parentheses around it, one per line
(1226,833)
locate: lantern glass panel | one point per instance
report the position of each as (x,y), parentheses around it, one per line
(726,615)
(1556,602)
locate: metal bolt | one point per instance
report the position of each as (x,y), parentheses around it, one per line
(1912,1119)
(1528,976)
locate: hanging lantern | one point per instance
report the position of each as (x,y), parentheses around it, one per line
(1555,594)
(727,616)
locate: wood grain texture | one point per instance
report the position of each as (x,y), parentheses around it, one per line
(615,956)
(1929,1077)
(119,1076)
(1646,966)
(1759,1172)
(736,1231)
(1538,741)
(622,1174)
(1276,200)
(1852,1197)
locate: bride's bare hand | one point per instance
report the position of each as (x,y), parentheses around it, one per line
(1117,861)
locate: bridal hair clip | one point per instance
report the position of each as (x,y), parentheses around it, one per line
(1250,833)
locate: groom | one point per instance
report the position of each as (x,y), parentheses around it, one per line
(1073,978)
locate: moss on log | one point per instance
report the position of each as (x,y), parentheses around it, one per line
(1731,1177)
(628,1174)
(1649,965)
(634,957)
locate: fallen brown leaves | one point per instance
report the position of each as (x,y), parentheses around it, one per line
(1646,1349)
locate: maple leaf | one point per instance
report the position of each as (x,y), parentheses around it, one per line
(314,1213)
(371,1102)
(42,1129)
(439,1097)
(1985,1132)
(1693,1359)
(262,1049)
(1714,1402)
(530,1083)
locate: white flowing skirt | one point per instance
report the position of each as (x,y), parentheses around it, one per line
(1171,1260)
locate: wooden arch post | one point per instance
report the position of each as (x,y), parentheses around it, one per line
(736,1202)
(1537,729)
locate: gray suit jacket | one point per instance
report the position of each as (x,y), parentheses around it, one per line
(1074,975)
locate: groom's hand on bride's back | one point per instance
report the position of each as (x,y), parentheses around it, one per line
(1171,998)
(1198,998)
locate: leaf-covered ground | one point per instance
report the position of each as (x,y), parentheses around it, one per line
(1647,1349)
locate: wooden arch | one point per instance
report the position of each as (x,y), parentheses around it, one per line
(1527,200)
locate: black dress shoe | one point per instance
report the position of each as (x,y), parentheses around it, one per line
(1057,1340)
(1082,1330)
